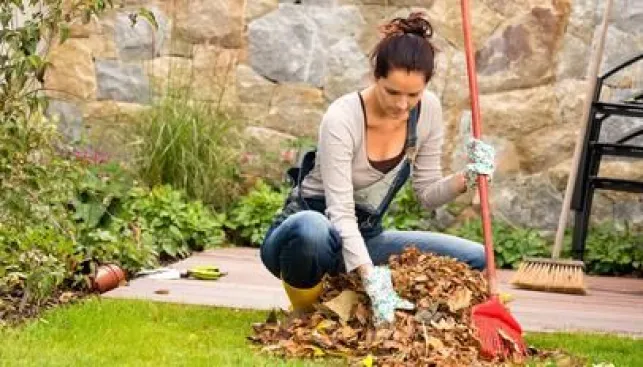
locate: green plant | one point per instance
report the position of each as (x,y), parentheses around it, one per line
(250,218)
(610,250)
(23,64)
(193,147)
(57,217)
(100,192)
(511,244)
(101,227)
(406,213)
(26,32)
(173,226)
(34,261)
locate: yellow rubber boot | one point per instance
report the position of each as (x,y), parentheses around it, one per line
(302,299)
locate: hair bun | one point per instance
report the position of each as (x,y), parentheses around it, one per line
(415,24)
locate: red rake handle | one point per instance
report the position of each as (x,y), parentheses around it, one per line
(477,133)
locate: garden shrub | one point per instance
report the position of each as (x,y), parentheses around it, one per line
(173,226)
(511,244)
(98,216)
(250,218)
(406,214)
(62,213)
(144,224)
(34,261)
(609,250)
(192,146)
(612,250)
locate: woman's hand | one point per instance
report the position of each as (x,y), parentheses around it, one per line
(481,161)
(384,299)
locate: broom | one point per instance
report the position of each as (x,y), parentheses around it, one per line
(499,334)
(554,274)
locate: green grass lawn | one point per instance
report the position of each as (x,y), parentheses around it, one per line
(101,332)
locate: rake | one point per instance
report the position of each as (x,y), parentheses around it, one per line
(499,333)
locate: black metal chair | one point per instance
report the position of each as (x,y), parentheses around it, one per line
(594,150)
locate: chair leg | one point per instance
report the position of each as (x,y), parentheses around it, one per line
(581,225)
(581,177)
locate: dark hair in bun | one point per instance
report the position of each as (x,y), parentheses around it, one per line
(405,45)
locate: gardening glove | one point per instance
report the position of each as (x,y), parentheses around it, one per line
(481,161)
(384,300)
(481,156)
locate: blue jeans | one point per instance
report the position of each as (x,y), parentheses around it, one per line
(305,247)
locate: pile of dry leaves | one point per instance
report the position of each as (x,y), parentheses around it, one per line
(438,332)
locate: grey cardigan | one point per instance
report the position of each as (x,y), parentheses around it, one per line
(344,176)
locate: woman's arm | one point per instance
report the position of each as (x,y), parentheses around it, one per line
(432,189)
(335,155)
(337,142)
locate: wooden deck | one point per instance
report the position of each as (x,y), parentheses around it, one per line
(612,305)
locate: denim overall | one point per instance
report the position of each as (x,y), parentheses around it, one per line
(369,217)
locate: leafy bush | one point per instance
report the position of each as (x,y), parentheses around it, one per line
(405,212)
(34,262)
(511,244)
(99,218)
(58,217)
(112,214)
(608,250)
(100,192)
(78,216)
(23,64)
(173,226)
(250,218)
(193,147)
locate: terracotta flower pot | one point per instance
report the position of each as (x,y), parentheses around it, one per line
(108,277)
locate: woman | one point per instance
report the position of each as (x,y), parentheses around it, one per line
(370,143)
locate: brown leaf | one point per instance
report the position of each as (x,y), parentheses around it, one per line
(272,317)
(324,324)
(342,305)
(435,343)
(348,332)
(443,324)
(322,339)
(421,278)
(439,333)
(361,314)
(460,299)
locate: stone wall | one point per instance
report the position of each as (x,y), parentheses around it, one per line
(279,64)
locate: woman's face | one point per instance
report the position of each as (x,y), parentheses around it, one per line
(399,92)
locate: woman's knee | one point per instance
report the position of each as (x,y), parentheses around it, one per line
(478,259)
(307,252)
(309,229)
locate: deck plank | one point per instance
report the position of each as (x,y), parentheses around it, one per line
(612,304)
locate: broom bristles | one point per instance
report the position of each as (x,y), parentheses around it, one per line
(563,276)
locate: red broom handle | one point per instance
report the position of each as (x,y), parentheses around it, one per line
(477,133)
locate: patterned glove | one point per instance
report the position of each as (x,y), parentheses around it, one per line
(384,300)
(481,161)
